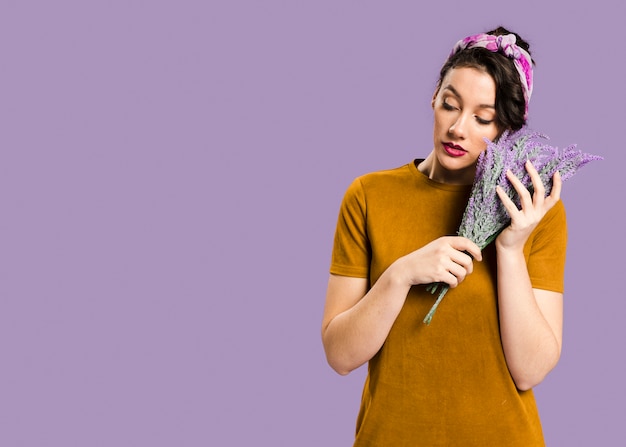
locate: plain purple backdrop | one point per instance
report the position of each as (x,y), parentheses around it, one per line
(170,176)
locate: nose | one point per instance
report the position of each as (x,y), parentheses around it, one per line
(458,127)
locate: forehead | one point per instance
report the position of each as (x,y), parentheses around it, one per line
(469,84)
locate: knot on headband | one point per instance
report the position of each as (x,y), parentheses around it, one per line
(506,45)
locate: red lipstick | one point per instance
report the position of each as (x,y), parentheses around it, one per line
(454,150)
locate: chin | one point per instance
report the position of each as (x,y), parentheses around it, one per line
(456,163)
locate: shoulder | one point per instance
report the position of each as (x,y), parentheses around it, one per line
(374,188)
(551,233)
(556,216)
(383,179)
(385,175)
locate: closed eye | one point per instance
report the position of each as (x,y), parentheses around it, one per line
(483,121)
(448,106)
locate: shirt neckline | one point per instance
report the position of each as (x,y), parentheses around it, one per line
(423,178)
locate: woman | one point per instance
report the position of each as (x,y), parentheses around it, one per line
(466,378)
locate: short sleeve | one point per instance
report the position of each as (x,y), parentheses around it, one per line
(351,248)
(545,251)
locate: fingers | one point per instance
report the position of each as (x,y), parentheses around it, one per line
(464,260)
(557,183)
(463,244)
(448,259)
(461,261)
(526,200)
(453,280)
(453,273)
(533,206)
(508,204)
(538,197)
(538,186)
(456,273)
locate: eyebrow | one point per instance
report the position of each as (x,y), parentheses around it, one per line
(454,91)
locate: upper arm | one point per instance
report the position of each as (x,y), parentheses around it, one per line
(343,293)
(551,306)
(546,249)
(546,267)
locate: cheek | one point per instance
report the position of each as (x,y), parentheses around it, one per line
(440,121)
(481,145)
(491,136)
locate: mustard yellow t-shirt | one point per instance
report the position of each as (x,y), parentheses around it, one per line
(447,383)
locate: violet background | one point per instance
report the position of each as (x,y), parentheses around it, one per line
(170,176)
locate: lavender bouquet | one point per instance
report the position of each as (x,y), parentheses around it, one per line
(485,216)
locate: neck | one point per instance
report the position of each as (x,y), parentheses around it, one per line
(434,171)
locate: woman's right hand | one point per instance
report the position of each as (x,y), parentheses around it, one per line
(357,321)
(448,259)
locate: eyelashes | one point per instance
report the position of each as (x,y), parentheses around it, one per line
(448,106)
(479,120)
(482,121)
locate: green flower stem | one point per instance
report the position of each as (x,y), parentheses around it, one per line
(444,290)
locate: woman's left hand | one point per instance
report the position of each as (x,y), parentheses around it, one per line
(533,207)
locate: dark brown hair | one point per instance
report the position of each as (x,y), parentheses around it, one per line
(510,103)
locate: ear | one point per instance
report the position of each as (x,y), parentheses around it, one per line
(432,103)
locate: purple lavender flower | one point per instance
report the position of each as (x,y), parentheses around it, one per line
(485,216)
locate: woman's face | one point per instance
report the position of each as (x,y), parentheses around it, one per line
(464,110)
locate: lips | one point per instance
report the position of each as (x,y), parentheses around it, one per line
(454,150)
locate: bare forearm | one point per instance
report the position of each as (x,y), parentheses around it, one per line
(353,337)
(357,321)
(530,344)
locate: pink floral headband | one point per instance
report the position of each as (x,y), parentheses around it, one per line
(505,45)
